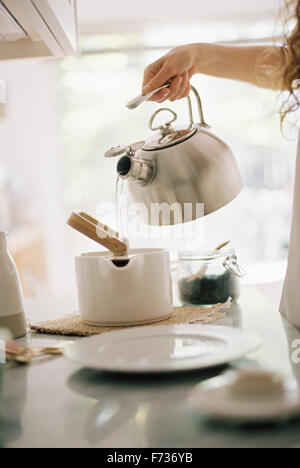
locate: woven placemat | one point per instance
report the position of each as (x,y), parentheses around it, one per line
(72,325)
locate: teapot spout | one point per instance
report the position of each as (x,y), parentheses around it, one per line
(136,170)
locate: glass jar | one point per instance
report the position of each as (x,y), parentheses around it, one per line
(209,277)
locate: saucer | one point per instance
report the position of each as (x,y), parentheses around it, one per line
(248,397)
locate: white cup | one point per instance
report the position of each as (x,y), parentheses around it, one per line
(127,293)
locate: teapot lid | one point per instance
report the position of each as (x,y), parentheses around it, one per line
(168,135)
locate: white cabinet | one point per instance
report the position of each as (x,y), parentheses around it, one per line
(60,16)
(9,28)
(35,28)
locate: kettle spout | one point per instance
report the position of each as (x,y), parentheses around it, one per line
(136,169)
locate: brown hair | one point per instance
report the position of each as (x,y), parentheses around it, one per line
(291,72)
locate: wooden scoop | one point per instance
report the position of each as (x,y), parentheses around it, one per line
(98,232)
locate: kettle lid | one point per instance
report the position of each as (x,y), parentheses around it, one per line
(177,135)
(167,135)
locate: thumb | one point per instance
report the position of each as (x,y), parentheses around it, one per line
(160,79)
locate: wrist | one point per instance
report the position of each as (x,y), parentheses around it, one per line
(199,56)
(205,57)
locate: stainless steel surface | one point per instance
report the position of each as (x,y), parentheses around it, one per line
(136,170)
(187,171)
(138,100)
(199,170)
(53,403)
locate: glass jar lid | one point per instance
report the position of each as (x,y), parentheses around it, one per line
(205,254)
(226,256)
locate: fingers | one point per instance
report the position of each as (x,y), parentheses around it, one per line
(184,89)
(151,71)
(161,96)
(180,88)
(175,87)
(186,92)
(160,78)
(169,93)
(157,75)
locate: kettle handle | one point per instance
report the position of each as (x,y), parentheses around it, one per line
(140,99)
(200,109)
(190,107)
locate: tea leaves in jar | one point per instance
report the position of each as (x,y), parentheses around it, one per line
(216,278)
(209,290)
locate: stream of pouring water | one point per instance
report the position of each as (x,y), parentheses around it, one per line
(121,208)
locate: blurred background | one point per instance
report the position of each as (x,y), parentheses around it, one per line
(61,116)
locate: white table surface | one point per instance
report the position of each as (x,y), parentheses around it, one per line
(54,403)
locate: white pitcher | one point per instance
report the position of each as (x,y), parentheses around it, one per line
(124,292)
(11,299)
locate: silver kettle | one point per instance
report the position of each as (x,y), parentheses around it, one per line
(181,172)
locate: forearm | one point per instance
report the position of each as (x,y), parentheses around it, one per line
(258,65)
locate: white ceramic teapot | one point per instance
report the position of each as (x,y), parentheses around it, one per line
(124,291)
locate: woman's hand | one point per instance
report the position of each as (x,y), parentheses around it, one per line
(249,64)
(177,67)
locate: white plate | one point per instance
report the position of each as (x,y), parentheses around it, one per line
(163,348)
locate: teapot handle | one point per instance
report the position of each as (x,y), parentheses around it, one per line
(140,99)
(200,109)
